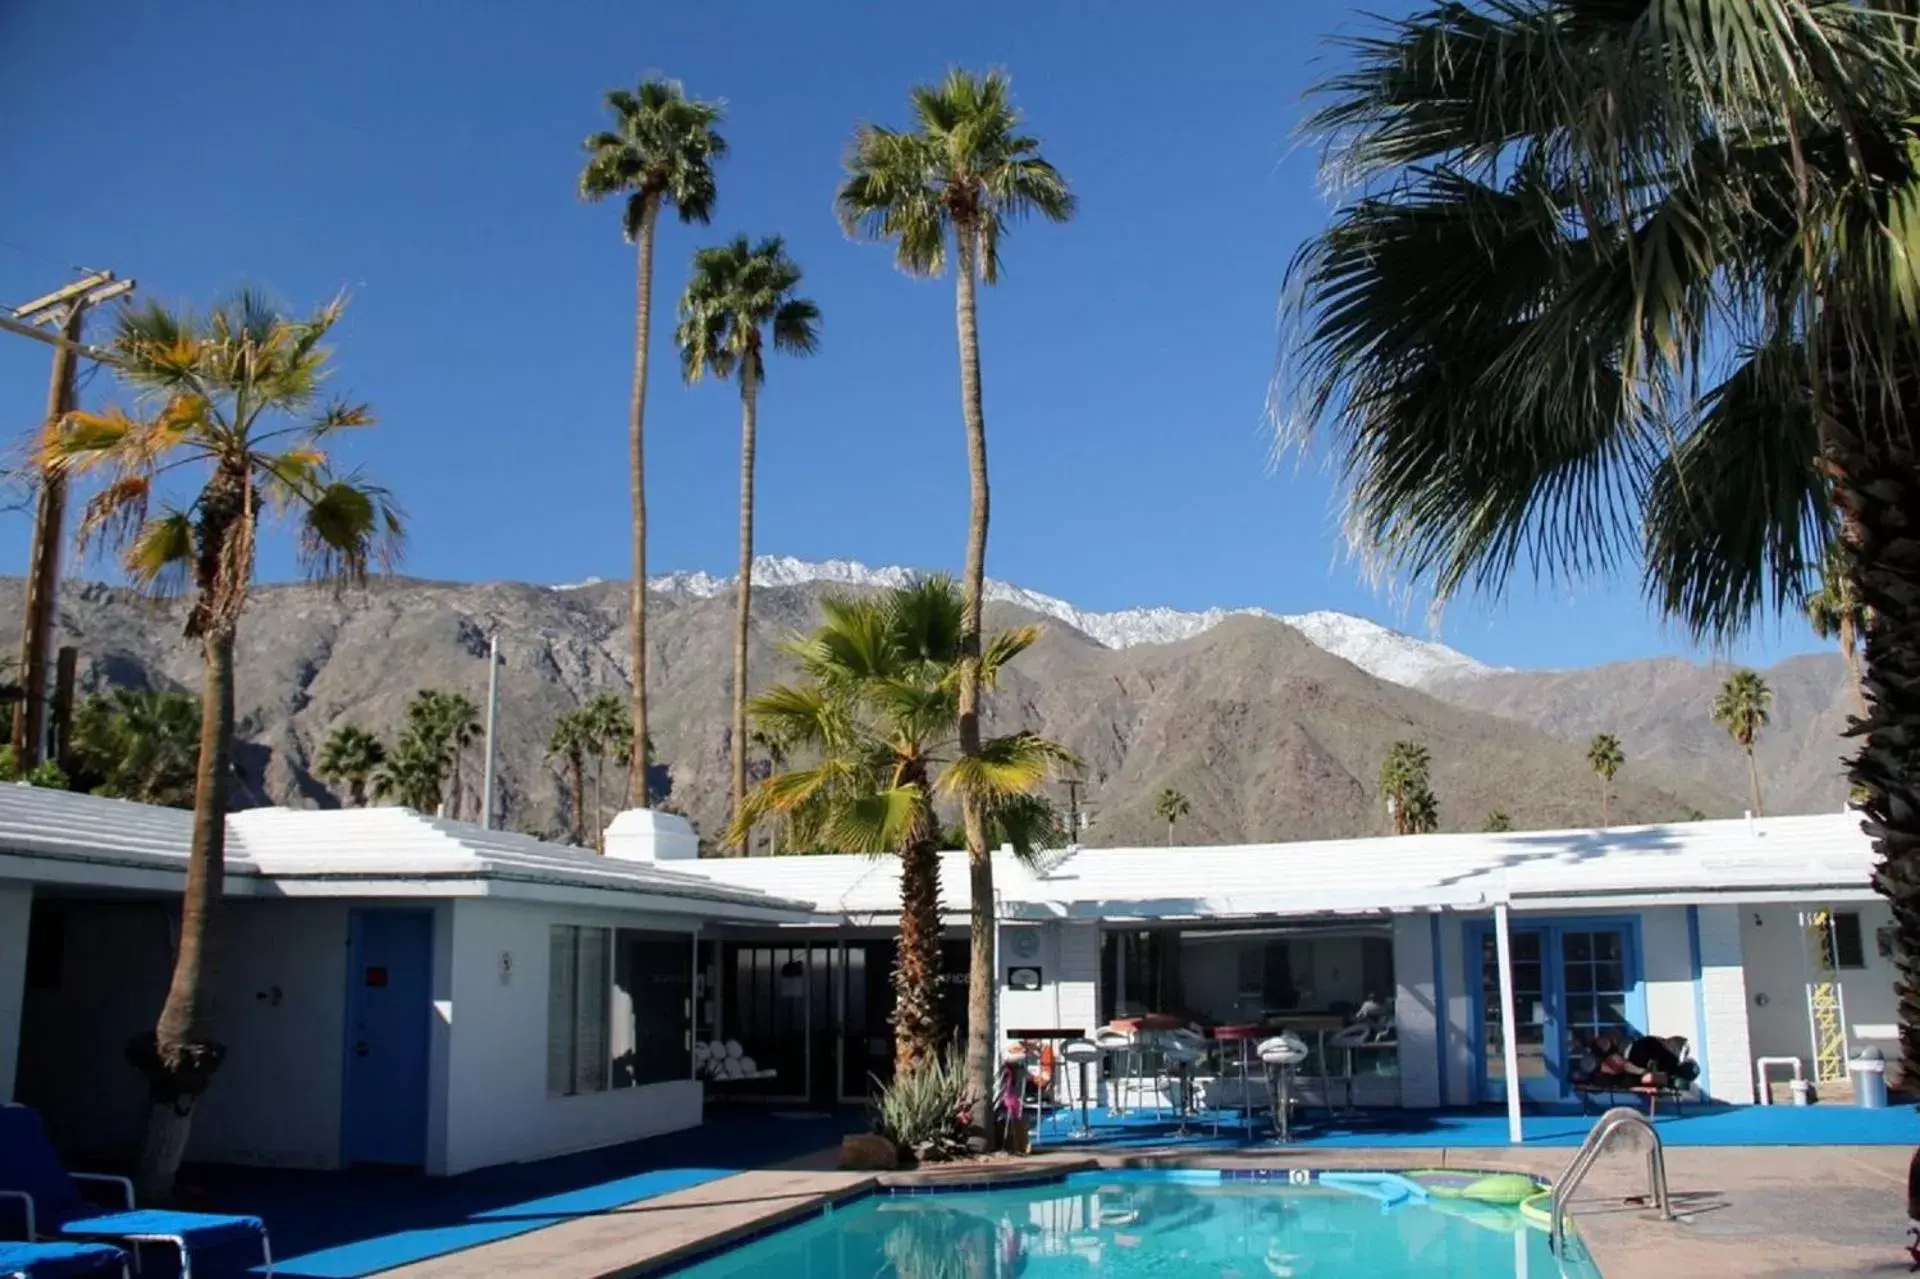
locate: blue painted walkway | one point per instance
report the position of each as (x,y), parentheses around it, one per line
(1432,1130)
(330,1225)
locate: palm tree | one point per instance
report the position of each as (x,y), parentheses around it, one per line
(571,742)
(139,745)
(776,752)
(439,727)
(662,149)
(1406,782)
(1497,821)
(349,755)
(1742,708)
(1604,757)
(737,291)
(236,391)
(1632,277)
(1835,613)
(965,168)
(414,773)
(607,727)
(880,709)
(456,722)
(1170,806)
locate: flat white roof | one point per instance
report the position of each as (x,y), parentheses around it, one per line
(1825,856)
(57,837)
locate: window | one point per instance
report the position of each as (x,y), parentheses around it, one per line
(652,1012)
(577,1006)
(1843,931)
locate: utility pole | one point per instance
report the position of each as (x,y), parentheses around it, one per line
(493,706)
(65,309)
(1073,810)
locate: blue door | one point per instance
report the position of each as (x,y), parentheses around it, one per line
(1573,979)
(389,1018)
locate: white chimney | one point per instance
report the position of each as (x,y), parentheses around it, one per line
(648,835)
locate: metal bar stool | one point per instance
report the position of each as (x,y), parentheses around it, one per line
(1181,1057)
(1241,1038)
(1081,1053)
(1117,1047)
(1282,1055)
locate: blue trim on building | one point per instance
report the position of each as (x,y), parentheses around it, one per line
(1440,1017)
(1473,936)
(1704,1083)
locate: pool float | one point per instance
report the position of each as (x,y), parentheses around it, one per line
(1493,1217)
(1389,1188)
(1507,1189)
(1538,1211)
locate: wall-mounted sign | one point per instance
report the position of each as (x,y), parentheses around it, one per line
(1023,979)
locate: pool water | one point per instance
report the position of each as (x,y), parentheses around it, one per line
(1149,1223)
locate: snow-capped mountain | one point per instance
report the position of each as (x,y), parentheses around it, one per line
(1376,649)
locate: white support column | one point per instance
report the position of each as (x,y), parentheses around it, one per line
(1509,1048)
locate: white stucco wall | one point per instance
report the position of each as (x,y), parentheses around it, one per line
(16,907)
(1728,1054)
(1068,955)
(1415,1015)
(497,1107)
(1666,965)
(276,1100)
(1458,978)
(1775,947)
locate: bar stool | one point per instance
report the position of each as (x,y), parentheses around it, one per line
(1181,1057)
(1117,1047)
(1346,1041)
(1241,1037)
(1282,1055)
(1081,1053)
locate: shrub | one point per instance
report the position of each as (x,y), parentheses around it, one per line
(919,1111)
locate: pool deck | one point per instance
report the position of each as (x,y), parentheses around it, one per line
(1775,1212)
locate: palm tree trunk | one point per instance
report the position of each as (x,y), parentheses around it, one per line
(357,791)
(599,805)
(1850,649)
(453,787)
(1875,469)
(980,983)
(1603,802)
(749,405)
(1753,780)
(916,974)
(579,768)
(1169,832)
(179,1058)
(637,481)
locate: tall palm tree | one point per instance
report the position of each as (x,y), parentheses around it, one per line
(349,755)
(1170,806)
(1605,758)
(879,708)
(1742,707)
(1636,277)
(446,724)
(1406,781)
(740,295)
(1834,612)
(236,394)
(965,169)
(571,742)
(776,752)
(661,150)
(608,728)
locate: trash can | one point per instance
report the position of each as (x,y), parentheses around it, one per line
(1802,1092)
(1869,1072)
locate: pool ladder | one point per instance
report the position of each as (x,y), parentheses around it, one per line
(1604,1128)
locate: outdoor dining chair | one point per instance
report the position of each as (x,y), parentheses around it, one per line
(36,1186)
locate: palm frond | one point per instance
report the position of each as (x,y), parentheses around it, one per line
(160,555)
(347,526)
(1016,764)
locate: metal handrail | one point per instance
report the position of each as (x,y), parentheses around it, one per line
(1583,1160)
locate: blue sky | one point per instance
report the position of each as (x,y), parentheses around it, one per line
(422,156)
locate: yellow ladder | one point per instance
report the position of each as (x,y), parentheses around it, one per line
(1823,1000)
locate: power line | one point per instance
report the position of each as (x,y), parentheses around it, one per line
(17,247)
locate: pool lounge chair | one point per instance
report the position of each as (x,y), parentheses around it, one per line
(60,1260)
(37,1190)
(1666,1070)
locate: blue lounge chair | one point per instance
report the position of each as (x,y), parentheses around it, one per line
(60,1260)
(36,1185)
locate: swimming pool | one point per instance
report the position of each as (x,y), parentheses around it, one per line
(1153,1223)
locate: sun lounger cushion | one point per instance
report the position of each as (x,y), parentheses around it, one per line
(59,1260)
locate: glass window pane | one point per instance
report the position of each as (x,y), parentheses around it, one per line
(560,1000)
(1526,945)
(1849,950)
(653,984)
(1606,945)
(1613,1010)
(1609,976)
(1580,1010)
(1578,946)
(1579,978)
(590,1012)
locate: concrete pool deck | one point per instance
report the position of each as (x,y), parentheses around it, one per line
(1759,1211)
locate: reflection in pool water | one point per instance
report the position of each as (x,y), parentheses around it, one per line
(1147,1223)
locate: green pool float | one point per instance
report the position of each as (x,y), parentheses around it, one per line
(1507,1189)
